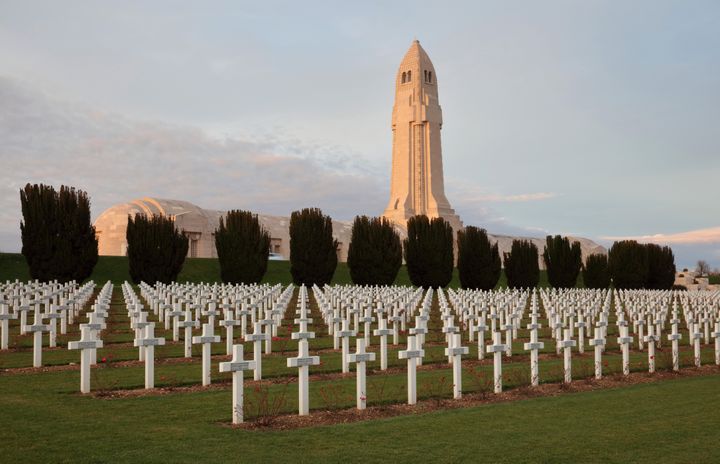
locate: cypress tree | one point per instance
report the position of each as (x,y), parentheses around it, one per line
(156,250)
(661,267)
(478,261)
(313,250)
(521,265)
(59,241)
(243,246)
(628,264)
(375,251)
(562,261)
(595,271)
(428,251)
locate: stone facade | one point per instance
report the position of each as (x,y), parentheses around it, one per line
(199,226)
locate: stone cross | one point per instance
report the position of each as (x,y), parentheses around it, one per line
(37,328)
(367,320)
(139,325)
(302,362)
(206,339)
(598,342)
(188,324)
(716,336)
(86,344)
(534,346)
(257,338)
(580,324)
(360,358)
(674,338)
(383,333)
(567,344)
(174,315)
(696,336)
(497,349)
(53,317)
(650,339)
(237,366)
(419,331)
(345,335)
(412,353)
(5,317)
(147,343)
(480,328)
(456,351)
(229,323)
(625,341)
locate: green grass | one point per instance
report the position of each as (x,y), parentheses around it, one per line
(115,269)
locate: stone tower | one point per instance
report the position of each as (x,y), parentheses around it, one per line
(417,185)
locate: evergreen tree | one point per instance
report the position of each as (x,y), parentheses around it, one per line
(595,272)
(562,261)
(313,250)
(375,252)
(661,267)
(243,246)
(156,250)
(478,261)
(628,264)
(59,241)
(428,251)
(521,265)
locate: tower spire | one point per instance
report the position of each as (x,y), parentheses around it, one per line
(417,185)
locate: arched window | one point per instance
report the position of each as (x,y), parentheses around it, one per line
(425,71)
(409,76)
(430,76)
(404,75)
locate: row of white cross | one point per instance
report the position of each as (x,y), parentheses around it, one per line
(347,311)
(52,302)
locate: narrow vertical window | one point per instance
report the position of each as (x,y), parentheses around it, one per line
(404,75)
(409,76)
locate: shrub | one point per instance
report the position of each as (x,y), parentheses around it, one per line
(59,241)
(478,262)
(628,264)
(595,271)
(156,250)
(521,265)
(375,252)
(679,287)
(661,267)
(313,250)
(428,251)
(243,246)
(562,261)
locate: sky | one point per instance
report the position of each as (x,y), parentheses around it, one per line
(598,119)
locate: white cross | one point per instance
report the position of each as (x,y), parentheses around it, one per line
(147,343)
(37,329)
(257,339)
(302,362)
(188,324)
(360,357)
(419,331)
(383,333)
(675,337)
(237,365)
(696,336)
(345,335)
(650,339)
(598,342)
(625,341)
(86,344)
(716,336)
(533,346)
(229,325)
(497,348)
(412,353)
(206,339)
(5,317)
(567,344)
(456,351)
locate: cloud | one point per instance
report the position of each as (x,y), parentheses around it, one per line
(709,235)
(116,159)
(522,197)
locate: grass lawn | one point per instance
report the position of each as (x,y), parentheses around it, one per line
(115,269)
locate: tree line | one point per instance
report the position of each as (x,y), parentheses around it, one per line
(59,243)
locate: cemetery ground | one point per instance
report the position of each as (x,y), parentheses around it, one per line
(664,417)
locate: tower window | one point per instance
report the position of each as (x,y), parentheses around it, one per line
(409,76)
(404,77)
(425,71)
(430,77)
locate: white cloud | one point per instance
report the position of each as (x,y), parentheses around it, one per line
(700,236)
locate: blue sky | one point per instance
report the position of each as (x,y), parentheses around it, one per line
(594,118)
